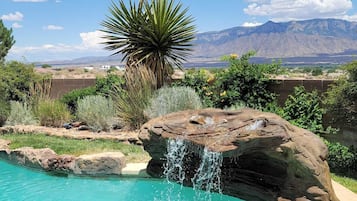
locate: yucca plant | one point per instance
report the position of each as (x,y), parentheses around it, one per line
(156,34)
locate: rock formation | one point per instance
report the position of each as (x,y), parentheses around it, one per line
(109,163)
(103,164)
(264,157)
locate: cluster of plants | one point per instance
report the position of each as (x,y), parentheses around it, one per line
(342,159)
(341,98)
(241,83)
(305,109)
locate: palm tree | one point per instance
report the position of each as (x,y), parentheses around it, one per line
(155,34)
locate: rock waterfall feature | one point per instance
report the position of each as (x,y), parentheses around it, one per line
(262,156)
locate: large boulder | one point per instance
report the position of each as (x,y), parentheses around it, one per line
(264,157)
(108,163)
(30,157)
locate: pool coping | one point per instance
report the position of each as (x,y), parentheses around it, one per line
(135,170)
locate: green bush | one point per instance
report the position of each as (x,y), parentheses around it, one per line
(15,80)
(202,82)
(173,99)
(104,86)
(71,98)
(340,100)
(316,71)
(4,111)
(244,82)
(342,159)
(97,112)
(21,114)
(52,113)
(303,109)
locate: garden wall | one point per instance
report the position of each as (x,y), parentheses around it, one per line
(60,87)
(282,87)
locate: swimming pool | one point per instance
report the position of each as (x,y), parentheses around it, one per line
(22,184)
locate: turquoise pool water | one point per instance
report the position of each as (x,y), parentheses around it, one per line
(22,184)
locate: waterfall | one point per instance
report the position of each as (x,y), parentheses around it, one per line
(176,151)
(207,176)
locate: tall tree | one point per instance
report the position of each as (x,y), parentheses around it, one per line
(156,34)
(6,41)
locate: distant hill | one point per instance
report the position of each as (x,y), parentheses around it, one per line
(316,41)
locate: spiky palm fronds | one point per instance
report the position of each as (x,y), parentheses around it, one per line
(156,34)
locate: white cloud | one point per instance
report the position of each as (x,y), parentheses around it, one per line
(53,27)
(16,25)
(58,1)
(251,24)
(29,0)
(89,45)
(17,16)
(350,17)
(92,39)
(283,10)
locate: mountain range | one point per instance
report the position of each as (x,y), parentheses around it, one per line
(316,38)
(331,41)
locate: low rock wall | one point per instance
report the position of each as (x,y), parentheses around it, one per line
(102,164)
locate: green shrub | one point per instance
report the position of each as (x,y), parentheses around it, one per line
(71,98)
(202,82)
(15,80)
(21,114)
(342,159)
(303,109)
(244,82)
(97,111)
(52,113)
(173,99)
(105,85)
(316,71)
(340,100)
(4,111)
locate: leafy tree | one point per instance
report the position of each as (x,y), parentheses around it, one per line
(154,34)
(244,83)
(15,80)
(6,41)
(341,98)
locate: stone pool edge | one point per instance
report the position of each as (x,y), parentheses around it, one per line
(95,165)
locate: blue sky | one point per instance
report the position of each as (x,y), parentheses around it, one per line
(47,30)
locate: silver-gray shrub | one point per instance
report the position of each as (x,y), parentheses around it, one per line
(21,114)
(96,111)
(173,99)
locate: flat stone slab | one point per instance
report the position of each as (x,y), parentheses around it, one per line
(135,170)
